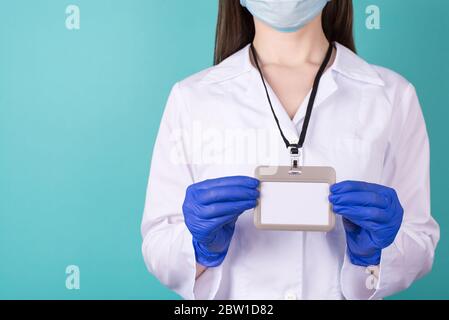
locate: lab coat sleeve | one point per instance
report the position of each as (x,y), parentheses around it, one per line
(406,169)
(167,243)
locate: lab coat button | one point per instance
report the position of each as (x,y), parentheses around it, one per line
(290,296)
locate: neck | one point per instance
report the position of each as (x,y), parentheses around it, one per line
(307,45)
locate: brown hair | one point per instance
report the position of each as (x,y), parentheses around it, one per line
(235,26)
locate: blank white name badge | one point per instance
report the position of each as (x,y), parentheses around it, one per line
(295,201)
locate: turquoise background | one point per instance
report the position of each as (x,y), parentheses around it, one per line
(79,111)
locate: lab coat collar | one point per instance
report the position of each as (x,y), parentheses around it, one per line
(352,66)
(346,63)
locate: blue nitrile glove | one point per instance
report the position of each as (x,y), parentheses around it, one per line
(211,209)
(372,216)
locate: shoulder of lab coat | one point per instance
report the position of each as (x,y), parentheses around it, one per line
(406,169)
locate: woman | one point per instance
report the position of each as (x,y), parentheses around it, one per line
(199,236)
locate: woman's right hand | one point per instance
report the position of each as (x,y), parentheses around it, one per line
(211,209)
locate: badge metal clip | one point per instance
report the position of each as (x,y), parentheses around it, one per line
(296,160)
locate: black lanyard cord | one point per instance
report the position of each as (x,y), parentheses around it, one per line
(313,94)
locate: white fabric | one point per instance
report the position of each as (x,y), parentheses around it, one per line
(367,124)
(301,203)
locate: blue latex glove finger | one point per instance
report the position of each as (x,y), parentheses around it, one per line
(375,228)
(221,236)
(239,181)
(222,194)
(223,209)
(204,221)
(211,209)
(360,198)
(212,218)
(372,216)
(363,216)
(355,186)
(215,229)
(212,252)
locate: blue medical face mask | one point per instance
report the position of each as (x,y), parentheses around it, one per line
(285,15)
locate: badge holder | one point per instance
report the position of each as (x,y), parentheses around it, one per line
(295,198)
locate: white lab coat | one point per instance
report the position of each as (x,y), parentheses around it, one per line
(367,123)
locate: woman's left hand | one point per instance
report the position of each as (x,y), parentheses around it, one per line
(372,216)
